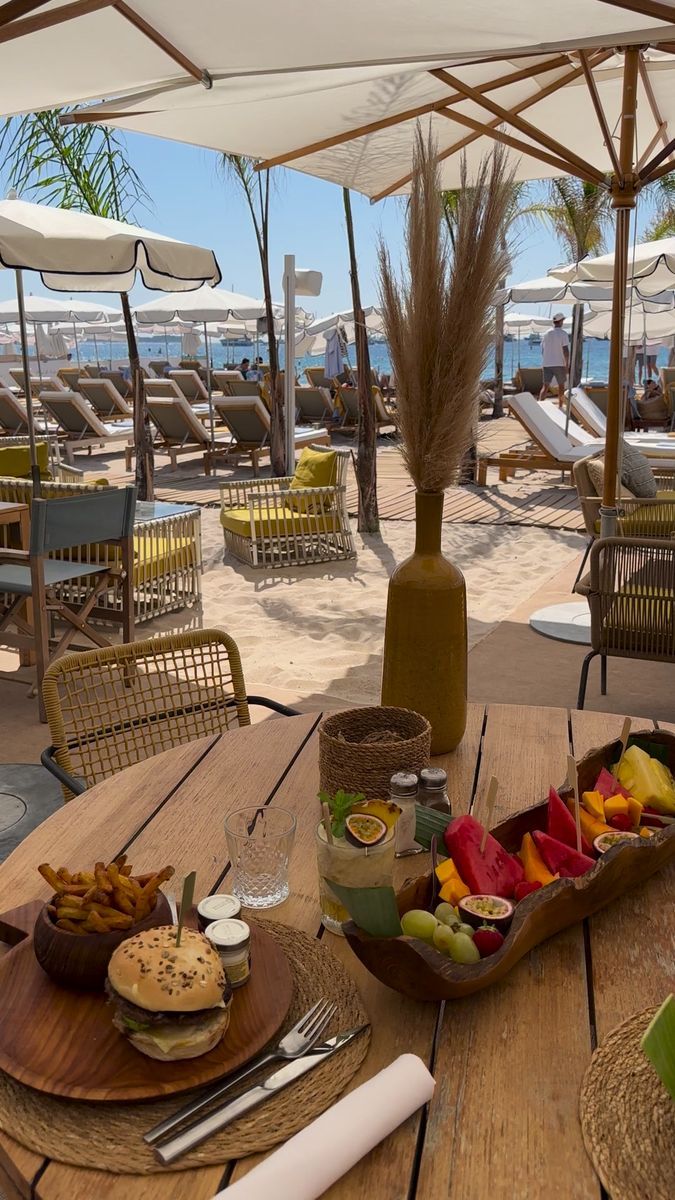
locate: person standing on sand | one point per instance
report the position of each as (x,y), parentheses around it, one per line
(555,358)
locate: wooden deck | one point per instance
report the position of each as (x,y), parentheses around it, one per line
(539,500)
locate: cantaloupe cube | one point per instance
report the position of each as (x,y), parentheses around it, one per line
(615,805)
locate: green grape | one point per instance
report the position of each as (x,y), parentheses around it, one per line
(462,949)
(447,914)
(419,924)
(467,929)
(442,936)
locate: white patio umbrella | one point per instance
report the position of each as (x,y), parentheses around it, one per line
(459,66)
(204,305)
(59,309)
(651,268)
(68,247)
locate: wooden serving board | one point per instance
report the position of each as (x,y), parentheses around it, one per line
(64,1042)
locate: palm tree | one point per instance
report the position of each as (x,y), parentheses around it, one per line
(663,222)
(255,188)
(579,215)
(84,167)
(518,212)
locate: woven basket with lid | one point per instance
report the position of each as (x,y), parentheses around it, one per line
(360,749)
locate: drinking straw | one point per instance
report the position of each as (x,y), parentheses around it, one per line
(326,823)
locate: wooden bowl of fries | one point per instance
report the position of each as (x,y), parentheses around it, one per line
(88,916)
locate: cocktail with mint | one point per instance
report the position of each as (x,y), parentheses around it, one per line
(355,844)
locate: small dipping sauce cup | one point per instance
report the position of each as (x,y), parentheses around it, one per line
(219,907)
(232,940)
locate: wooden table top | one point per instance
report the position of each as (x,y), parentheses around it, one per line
(508,1062)
(11,511)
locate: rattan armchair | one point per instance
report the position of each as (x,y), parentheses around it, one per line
(110,708)
(271,522)
(631,595)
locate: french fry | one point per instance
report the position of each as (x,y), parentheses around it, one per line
(126,870)
(102,881)
(71,927)
(64,874)
(63,912)
(87,877)
(126,885)
(95,923)
(52,878)
(113,873)
(124,902)
(73,900)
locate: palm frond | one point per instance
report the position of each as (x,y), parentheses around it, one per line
(579,215)
(73,166)
(437,314)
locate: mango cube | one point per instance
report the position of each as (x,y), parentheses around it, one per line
(594,803)
(615,805)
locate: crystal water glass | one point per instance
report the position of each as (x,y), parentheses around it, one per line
(259,841)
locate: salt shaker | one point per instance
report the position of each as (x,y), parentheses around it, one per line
(403,791)
(433,790)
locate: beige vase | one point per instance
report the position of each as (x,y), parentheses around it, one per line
(425,641)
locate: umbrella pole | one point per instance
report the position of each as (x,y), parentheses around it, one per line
(573,360)
(208,385)
(623,198)
(34,469)
(77,348)
(96,351)
(289,366)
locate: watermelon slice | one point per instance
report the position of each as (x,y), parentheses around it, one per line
(608,786)
(561,858)
(561,824)
(493,873)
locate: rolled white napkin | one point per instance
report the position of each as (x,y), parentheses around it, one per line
(313,1159)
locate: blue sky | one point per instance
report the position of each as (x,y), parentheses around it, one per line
(191,201)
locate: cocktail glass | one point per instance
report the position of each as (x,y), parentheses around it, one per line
(351,866)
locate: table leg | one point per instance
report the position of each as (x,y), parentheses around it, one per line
(26,657)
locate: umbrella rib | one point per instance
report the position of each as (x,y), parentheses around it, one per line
(199,73)
(574,161)
(661,125)
(507,139)
(550,88)
(46,20)
(18,8)
(646,8)
(657,166)
(599,112)
(410,114)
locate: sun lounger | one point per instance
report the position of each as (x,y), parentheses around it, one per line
(180,430)
(243,387)
(162,389)
(249,423)
(576,434)
(191,386)
(79,423)
(350,402)
(313,404)
(317,378)
(223,380)
(93,371)
(70,378)
(106,400)
(13,418)
(123,385)
(552,451)
(160,366)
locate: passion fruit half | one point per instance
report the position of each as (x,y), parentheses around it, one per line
(476,910)
(385,810)
(604,841)
(364,830)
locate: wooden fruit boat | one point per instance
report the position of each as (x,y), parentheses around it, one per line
(416,969)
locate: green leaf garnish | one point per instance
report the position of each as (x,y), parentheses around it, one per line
(340,805)
(134,1026)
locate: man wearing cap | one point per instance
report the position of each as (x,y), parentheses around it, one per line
(555,357)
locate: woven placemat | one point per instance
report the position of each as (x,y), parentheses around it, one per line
(109,1136)
(628,1118)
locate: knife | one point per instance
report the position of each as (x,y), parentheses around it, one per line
(201,1129)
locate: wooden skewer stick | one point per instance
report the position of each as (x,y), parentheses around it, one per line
(491,797)
(574,784)
(185,902)
(326,823)
(625,734)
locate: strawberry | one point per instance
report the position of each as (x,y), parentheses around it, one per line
(622,822)
(487,940)
(524,888)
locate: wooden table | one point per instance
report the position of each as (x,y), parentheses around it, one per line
(508,1062)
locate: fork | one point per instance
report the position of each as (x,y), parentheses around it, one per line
(298,1041)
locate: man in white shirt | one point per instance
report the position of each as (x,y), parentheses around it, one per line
(555,357)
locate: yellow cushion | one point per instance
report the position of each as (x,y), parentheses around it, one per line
(315,468)
(15,461)
(649,520)
(278,520)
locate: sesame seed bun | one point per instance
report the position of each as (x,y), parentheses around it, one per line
(152,972)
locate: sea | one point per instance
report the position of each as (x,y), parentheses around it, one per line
(516,353)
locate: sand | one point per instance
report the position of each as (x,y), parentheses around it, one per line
(319,630)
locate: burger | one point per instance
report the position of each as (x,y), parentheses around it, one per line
(170,1001)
